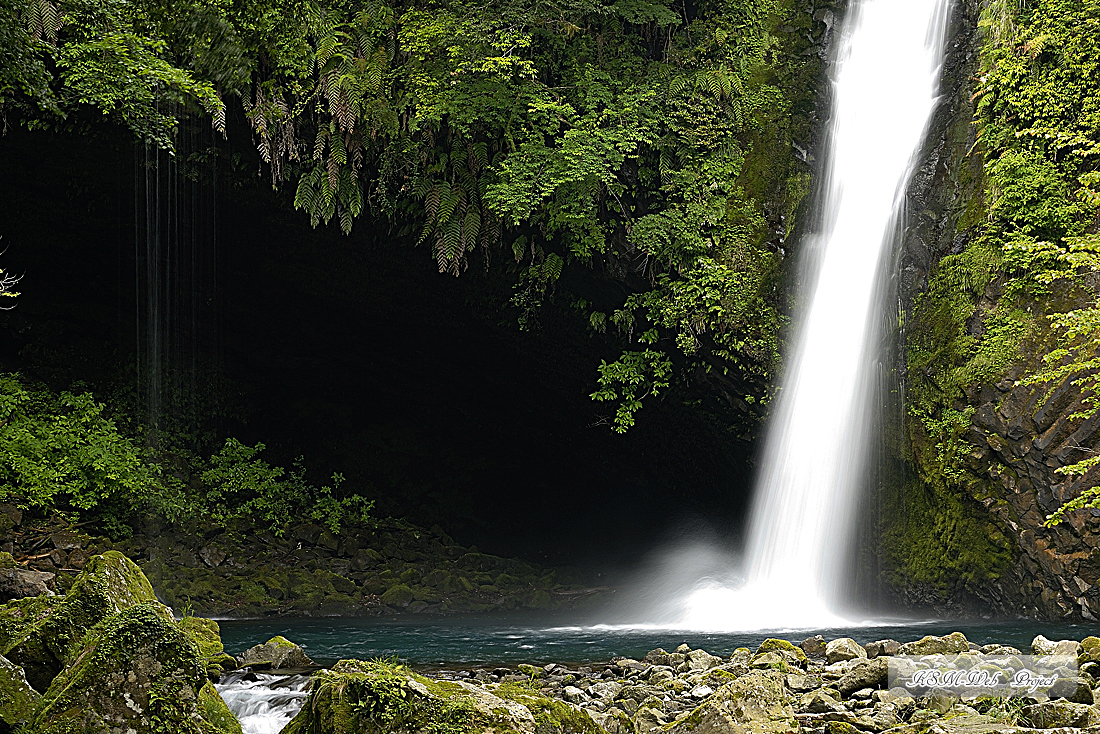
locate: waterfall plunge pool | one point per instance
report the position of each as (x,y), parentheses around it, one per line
(508,641)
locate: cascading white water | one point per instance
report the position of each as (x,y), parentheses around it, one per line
(262,702)
(886,82)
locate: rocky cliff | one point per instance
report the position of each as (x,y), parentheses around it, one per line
(974,477)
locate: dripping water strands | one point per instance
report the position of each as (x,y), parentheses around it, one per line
(176,280)
(815,464)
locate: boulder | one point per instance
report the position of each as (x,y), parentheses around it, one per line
(17,699)
(134,671)
(931,645)
(110,583)
(814,646)
(276,653)
(1051,714)
(1074,689)
(821,701)
(354,696)
(19,583)
(871,674)
(206,635)
(755,703)
(698,660)
(1090,651)
(1042,646)
(881,648)
(774,645)
(844,648)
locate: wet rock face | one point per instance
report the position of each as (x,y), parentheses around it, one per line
(1018,434)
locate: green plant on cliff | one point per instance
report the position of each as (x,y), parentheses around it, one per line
(1025,226)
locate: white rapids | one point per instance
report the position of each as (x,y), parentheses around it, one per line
(263,703)
(886,85)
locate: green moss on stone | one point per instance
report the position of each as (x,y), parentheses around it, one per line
(135,670)
(214,711)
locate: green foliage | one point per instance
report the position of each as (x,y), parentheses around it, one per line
(633,135)
(61,452)
(240,485)
(629,379)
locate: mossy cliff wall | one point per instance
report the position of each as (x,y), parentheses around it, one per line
(972,475)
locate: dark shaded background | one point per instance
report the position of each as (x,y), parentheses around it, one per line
(352,351)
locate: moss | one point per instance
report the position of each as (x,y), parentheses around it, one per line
(134,670)
(6,559)
(108,584)
(213,710)
(398,595)
(356,696)
(772,644)
(205,633)
(17,699)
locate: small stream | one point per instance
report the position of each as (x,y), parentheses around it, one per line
(262,702)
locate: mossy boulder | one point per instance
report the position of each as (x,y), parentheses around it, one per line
(276,653)
(6,559)
(134,671)
(42,643)
(17,699)
(356,696)
(1090,651)
(206,635)
(931,645)
(773,645)
(755,703)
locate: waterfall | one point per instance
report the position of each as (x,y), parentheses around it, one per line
(885,83)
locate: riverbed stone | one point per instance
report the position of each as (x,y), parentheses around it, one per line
(1075,689)
(755,703)
(276,653)
(870,674)
(814,647)
(1053,714)
(843,648)
(932,645)
(1042,646)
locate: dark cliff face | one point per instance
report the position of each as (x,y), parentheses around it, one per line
(994,503)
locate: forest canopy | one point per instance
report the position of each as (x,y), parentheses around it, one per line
(647,140)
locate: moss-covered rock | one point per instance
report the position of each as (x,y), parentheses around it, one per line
(42,643)
(755,703)
(214,711)
(276,653)
(931,645)
(137,671)
(17,699)
(357,696)
(772,644)
(6,560)
(205,633)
